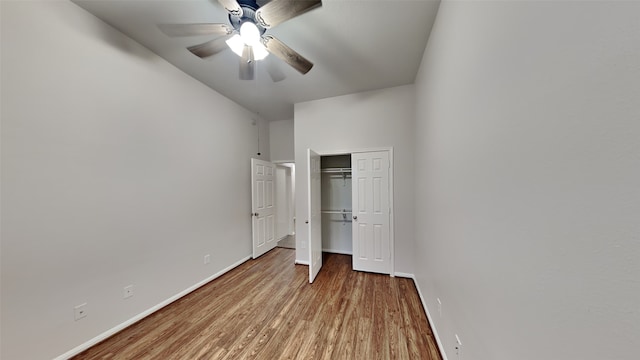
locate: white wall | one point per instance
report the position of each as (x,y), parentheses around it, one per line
(382,118)
(528,179)
(281,140)
(281,150)
(117,169)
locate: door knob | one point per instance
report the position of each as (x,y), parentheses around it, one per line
(355,217)
(306,221)
(255,214)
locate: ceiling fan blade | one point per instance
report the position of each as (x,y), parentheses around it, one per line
(210,48)
(195,29)
(286,54)
(232,7)
(279,11)
(247,64)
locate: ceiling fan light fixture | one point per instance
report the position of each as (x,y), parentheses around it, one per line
(259,51)
(236,44)
(245,35)
(249,33)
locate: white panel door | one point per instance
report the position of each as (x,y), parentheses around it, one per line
(263,208)
(371,211)
(314,215)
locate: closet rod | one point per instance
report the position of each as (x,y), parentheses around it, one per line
(336,170)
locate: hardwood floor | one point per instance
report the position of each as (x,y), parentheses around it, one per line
(266,309)
(288,242)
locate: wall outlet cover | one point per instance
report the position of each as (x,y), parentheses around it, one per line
(80,311)
(127,292)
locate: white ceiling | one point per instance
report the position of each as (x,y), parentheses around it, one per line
(355,45)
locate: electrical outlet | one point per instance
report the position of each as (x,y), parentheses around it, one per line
(128,292)
(207,259)
(458,348)
(439,306)
(80,311)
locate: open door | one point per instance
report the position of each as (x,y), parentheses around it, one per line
(315,220)
(263,207)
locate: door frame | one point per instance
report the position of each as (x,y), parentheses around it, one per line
(391,204)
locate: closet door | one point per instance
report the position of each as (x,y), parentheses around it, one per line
(315,217)
(263,206)
(371,212)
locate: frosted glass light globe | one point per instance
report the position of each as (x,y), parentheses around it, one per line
(250,33)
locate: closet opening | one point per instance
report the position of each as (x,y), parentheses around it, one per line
(351,217)
(335,205)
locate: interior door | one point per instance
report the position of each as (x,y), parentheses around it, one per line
(263,208)
(371,211)
(314,215)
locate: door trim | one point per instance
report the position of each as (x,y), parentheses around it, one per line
(391,204)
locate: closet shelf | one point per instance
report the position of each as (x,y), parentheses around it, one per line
(335,211)
(336,170)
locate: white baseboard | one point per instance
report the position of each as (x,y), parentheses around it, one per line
(301,262)
(142,315)
(343,252)
(433,327)
(405,275)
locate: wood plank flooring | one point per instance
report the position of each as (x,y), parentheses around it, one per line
(266,309)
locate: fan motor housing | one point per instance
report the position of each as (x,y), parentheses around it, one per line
(249,8)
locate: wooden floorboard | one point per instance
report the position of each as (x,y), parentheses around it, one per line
(266,309)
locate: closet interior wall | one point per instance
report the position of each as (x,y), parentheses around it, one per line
(336,204)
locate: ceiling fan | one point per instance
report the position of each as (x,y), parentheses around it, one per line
(246,33)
